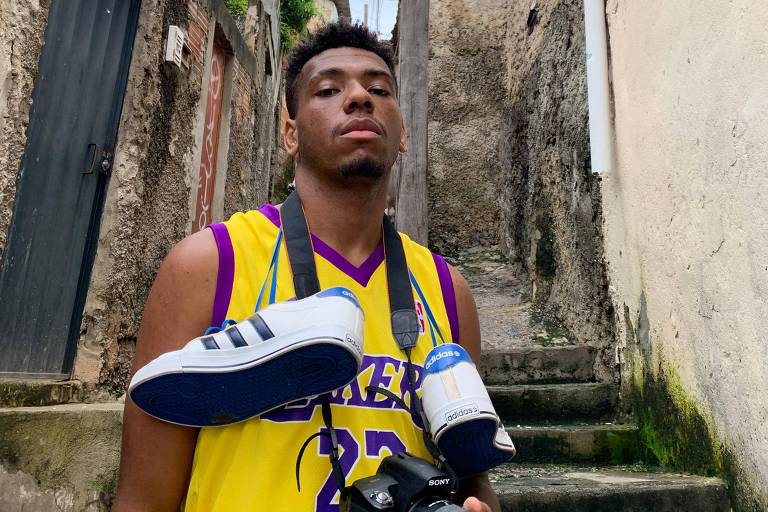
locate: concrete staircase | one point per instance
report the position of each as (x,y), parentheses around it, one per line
(574,455)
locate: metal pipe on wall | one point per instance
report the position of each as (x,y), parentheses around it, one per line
(598,87)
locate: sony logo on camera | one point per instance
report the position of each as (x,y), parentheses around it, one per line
(455,414)
(440,481)
(440,355)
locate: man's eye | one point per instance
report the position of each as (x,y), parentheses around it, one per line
(326,92)
(379,91)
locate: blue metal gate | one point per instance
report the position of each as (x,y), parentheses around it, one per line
(62,180)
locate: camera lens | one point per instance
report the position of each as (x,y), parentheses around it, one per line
(435,505)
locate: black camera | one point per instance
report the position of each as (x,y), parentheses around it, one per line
(403,483)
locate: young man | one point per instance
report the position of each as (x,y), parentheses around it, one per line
(344,131)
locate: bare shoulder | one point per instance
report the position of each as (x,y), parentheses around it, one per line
(156,457)
(180,303)
(469,324)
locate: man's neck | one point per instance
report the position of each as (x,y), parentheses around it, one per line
(348,218)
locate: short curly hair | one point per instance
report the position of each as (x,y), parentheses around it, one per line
(340,34)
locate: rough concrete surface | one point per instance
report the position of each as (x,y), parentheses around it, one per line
(30,393)
(21,42)
(551,203)
(520,341)
(532,488)
(554,402)
(65,454)
(466,91)
(606,443)
(686,216)
(509,158)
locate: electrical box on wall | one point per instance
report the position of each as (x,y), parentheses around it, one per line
(174,46)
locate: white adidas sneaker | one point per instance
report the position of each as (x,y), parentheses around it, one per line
(462,419)
(285,352)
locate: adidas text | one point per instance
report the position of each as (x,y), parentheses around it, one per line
(441,355)
(461,412)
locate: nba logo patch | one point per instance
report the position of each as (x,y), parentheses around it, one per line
(420,313)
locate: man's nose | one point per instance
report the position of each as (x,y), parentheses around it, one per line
(358,99)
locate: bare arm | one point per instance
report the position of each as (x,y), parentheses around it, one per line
(476,486)
(156,456)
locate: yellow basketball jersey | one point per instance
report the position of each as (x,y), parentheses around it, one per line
(251,466)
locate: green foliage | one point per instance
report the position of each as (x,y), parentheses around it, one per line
(294,16)
(237,8)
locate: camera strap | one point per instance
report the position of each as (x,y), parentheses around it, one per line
(403,317)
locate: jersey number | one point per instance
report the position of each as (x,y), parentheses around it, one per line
(375,442)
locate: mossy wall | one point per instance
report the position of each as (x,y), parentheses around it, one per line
(676,430)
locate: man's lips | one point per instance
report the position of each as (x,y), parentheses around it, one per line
(360,129)
(360,135)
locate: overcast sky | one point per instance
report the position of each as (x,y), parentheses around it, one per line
(385,9)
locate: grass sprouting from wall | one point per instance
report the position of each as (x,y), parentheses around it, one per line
(294,16)
(237,8)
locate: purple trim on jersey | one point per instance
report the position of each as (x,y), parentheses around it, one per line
(271,212)
(449,296)
(361,274)
(226,274)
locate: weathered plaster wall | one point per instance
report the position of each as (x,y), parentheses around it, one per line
(551,213)
(686,225)
(509,155)
(466,91)
(155,175)
(21,42)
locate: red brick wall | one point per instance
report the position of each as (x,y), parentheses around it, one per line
(197,33)
(241,89)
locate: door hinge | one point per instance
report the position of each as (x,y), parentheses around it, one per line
(98,159)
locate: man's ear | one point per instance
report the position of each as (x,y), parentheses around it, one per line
(403,138)
(290,137)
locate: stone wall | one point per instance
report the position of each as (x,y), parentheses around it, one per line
(154,180)
(23,25)
(509,155)
(686,231)
(466,92)
(551,213)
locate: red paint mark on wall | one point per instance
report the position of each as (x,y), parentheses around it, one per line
(210,140)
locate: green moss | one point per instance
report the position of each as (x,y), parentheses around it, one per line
(674,430)
(294,16)
(237,8)
(618,447)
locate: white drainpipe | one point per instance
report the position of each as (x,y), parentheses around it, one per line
(598,90)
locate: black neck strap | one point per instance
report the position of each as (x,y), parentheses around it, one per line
(404,321)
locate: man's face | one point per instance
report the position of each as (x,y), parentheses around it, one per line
(348,120)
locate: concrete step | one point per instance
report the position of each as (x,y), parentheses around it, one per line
(60,454)
(35,393)
(551,488)
(575,444)
(554,402)
(534,364)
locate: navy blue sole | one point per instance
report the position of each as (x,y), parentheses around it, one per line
(469,448)
(216,399)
